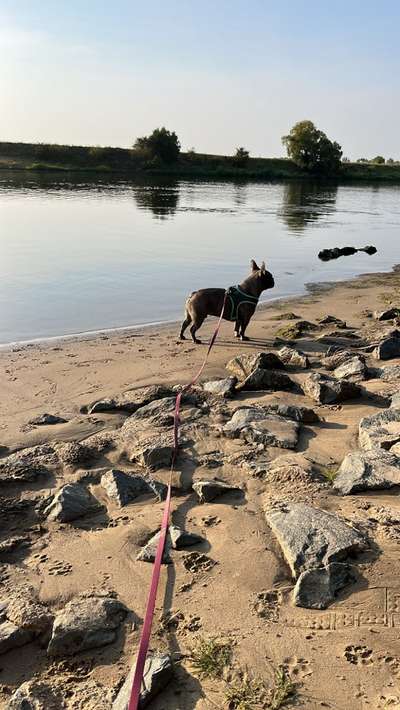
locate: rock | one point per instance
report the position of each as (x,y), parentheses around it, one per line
(295,330)
(221,388)
(336,357)
(389,347)
(125,487)
(329,320)
(72,501)
(389,314)
(27,612)
(13,543)
(157,673)
(311,537)
(131,401)
(75,453)
(86,622)
(244,365)
(390,373)
(297,413)
(47,420)
(329,390)
(367,470)
(354,370)
(293,357)
(37,695)
(176,539)
(151,450)
(158,409)
(254,425)
(267,380)
(11,636)
(28,464)
(289,315)
(207,491)
(395,402)
(317,588)
(381,430)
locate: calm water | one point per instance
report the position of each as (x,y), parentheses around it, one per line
(80,256)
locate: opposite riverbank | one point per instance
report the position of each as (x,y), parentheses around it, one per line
(91,159)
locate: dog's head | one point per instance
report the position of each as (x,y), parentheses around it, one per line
(266,280)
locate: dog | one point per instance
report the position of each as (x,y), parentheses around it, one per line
(240,305)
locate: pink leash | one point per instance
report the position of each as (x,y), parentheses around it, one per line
(151,600)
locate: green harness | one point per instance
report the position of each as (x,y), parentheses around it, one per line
(235,298)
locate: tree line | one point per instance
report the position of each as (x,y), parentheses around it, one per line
(306,145)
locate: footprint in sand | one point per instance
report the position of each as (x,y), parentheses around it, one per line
(358,655)
(298,667)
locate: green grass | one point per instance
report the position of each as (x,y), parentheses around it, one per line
(246,694)
(211,656)
(329,472)
(284,690)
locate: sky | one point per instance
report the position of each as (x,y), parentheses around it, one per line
(221,74)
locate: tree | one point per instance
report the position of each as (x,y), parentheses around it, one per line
(312,150)
(241,157)
(390,161)
(161,144)
(380,160)
(345,160)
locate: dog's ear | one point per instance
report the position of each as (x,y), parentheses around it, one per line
(263,267)
(253,265)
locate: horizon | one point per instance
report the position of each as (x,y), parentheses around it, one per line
(220,77)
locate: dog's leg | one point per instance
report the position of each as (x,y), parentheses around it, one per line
(237,328)
(197,323)
(243,325)
(186,322)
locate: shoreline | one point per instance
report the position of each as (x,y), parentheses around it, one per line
(310,289)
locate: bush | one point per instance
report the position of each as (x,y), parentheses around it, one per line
(241,157)
(161,144)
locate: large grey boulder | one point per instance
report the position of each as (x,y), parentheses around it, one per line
(37,695)
(221,388)
(28,464)
(295,358)
(381,430)
(317,588)
(367,470)
(329,390)
(151,449)
(337,356)
(353,369)
(255,425)
(311,537)
(242,366)
(86,622)
(157,674)
(208,491)
(125,487)
(272,380)
(389,347)
(72,501)
(390,373)
(296,412)
(157,409)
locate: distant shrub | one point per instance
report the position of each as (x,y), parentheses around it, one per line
(161,144)
(241,157)
(379,160)
(312,150)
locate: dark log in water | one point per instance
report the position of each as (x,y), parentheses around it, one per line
(328,254)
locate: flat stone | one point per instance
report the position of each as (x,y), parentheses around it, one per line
(367,470)
(261,379)
(381,430)
(295,412)
(296,358)
(353,369)
(72,501)
(332,320)
(221,388)
(131,401)
(11,636)
(158,408)
(311,537)
(86,622)
(125,487)
(390,373)
(180,539)
(36,695)
(208,491)
(255,425)
(149,551)
(388,314)
(75,453)
(28,464)
(329,390)
(47,420)
(151,449)
(389,347)
(157,674)
(26,611)
(336,357)
(317,588)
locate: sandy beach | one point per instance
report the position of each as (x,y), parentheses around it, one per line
(346,655)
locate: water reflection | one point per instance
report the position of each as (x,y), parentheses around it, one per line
(160,198)
(305,202)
